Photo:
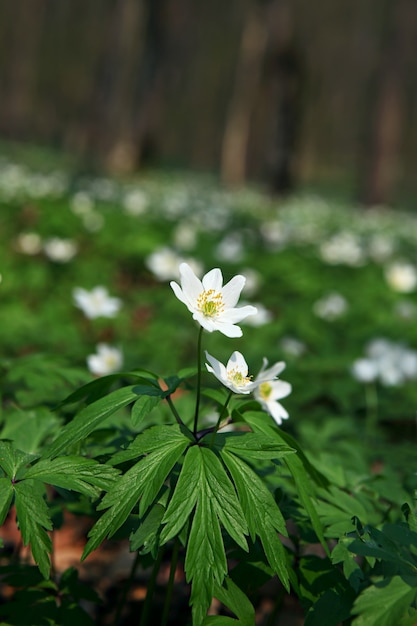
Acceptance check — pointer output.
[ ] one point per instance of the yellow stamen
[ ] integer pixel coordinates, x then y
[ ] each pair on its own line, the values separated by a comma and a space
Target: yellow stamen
237, 378
210, 303
265, 390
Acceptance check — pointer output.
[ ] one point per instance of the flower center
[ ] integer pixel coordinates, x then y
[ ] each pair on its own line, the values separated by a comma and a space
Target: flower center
237, 378
265, 390
210, 303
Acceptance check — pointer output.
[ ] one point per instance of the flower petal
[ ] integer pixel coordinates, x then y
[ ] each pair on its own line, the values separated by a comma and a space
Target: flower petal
280, 389
238, 314
231, 291
237, 361
191, 285
213, 280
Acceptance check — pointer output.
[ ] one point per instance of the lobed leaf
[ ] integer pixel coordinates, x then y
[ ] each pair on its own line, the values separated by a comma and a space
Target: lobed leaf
262, 513
33, 518
6, 497
386, 603
74, 473
89, 418
12, 460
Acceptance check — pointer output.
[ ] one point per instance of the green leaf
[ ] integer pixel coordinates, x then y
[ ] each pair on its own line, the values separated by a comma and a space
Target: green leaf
89, 418
6, 497
11, 460
144, 406
250, 445
304, 490
74, 473
147, 534
29, 428
204, 484
142, 482
351, 570
151, 440
33, 517
386, 603
231, 596
262, 513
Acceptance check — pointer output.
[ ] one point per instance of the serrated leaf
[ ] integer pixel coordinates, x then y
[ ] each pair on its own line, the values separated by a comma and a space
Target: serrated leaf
33, 517
11, 459
231, 596
141, 483
386, 603
304, 490
147, 533
143, 406
152, 439
75, 473
351, 570
29, 428
262, 513
89, 418
251, 445
6, 497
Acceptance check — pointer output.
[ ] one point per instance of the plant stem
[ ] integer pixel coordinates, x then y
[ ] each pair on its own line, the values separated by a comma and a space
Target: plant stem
198, 394
174, 411
125, 590
221, 416
150, 591
170, 587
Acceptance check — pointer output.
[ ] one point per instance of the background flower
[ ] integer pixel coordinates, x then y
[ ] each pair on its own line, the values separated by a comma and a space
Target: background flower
106, 360
96, 303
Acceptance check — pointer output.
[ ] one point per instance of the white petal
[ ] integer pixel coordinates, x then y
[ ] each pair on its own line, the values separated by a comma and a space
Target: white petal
232, 291
237, 361
237, 315
216, 368
270, 373
191, 285
277, 411
213, 280
229, 330
180, 295
280, 389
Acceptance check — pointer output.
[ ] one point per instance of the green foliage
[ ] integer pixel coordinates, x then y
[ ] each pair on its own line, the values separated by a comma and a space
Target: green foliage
324, 502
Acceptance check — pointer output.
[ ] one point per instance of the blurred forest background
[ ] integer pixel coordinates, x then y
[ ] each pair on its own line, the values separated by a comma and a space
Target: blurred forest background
282, 92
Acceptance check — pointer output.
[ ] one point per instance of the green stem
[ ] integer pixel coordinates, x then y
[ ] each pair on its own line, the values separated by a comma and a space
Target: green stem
371, 396
198, 394
126, 587
150, 591
222, 415
170, 587
174, 410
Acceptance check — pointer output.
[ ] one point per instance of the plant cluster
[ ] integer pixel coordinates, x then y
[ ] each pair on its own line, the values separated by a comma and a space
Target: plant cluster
223, 482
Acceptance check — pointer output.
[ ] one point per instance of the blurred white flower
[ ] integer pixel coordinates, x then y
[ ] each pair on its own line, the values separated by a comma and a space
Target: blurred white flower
405, 309
343, 248
60, 250
380, 247
29, 243
331, 307
401, 276
93, 221
292, 346
96, 303
253, 281
389, 362
81, 203
107, 360
211, 303
135, 202
270, 391
260, 318
231, 248
235, 376
185, 236
164, 263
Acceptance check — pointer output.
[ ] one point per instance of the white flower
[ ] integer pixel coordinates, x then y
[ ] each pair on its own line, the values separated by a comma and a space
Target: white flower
292, 346
231, 249
29, 243
211, 303
401, 277
343, 248
163, 263
96, 303
135, 202
389, 362
106, 361
269, 391
235, 375
60, 250
331, 306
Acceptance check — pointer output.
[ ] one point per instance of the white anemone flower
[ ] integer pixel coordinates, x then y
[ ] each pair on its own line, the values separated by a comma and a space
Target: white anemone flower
269, 391
211, 303
235, 376
106, 361
96, 303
